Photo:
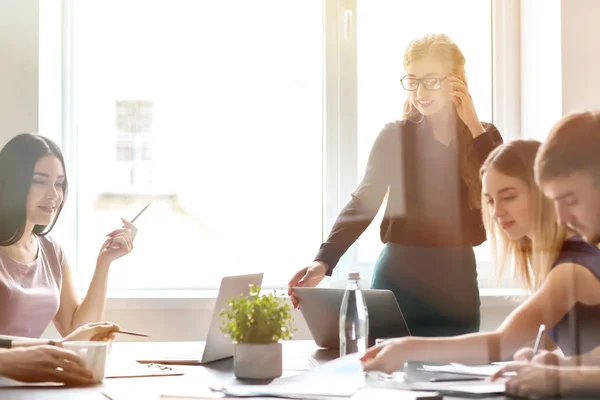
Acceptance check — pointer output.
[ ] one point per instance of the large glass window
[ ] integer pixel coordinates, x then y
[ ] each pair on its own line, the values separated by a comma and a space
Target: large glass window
212, 112
384, 30
245, 124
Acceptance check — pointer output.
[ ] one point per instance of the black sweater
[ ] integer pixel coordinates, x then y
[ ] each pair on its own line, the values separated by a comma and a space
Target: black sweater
427, 204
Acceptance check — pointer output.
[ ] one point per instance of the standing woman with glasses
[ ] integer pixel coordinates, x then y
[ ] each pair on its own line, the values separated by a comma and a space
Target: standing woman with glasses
428, 165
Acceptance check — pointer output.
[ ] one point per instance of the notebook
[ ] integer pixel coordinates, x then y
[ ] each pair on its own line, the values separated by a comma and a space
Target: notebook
464, 389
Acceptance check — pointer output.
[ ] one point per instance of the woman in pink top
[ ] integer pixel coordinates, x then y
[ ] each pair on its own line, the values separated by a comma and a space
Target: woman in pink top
36, 280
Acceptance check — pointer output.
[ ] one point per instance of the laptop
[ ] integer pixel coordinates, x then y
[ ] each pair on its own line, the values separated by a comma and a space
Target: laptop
217, 345
321, 310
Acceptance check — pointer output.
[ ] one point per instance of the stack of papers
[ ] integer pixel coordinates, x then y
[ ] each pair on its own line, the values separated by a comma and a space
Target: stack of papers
473, 388
337, 379
485, 370
389, 394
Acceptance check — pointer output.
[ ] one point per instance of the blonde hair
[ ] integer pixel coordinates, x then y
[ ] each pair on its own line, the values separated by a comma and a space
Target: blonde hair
532, 259
443, 49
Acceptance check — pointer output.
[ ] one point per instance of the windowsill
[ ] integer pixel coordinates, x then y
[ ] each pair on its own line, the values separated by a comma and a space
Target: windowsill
204, 299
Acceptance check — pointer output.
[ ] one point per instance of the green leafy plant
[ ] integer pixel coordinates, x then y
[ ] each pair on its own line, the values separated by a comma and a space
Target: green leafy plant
257, 319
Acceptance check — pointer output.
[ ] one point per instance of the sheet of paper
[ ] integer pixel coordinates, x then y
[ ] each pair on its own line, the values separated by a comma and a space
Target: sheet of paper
340, 378
390, 394
348, 367
9, 383
476, 387
327, 388
504, 362
484, 370
129, 368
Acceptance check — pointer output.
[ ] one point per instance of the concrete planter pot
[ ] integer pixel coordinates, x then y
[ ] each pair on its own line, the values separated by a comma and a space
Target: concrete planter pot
257, 361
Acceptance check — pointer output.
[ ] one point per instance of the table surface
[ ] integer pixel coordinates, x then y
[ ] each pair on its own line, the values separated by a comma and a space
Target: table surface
298, 356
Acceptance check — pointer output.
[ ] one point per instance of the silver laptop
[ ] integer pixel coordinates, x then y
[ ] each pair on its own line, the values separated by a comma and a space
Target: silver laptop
321, 310
217, 345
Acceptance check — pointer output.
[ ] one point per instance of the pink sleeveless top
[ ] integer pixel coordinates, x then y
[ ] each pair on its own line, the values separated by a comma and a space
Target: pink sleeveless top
30, 293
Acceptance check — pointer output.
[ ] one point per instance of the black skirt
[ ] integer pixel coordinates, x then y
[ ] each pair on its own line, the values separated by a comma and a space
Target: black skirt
436, 288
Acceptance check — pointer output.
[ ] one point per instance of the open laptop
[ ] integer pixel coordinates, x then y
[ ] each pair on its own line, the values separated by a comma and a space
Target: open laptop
217, 345
321, 310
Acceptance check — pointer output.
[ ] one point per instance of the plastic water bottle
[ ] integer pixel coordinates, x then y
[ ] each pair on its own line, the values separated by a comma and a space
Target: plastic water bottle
354, 318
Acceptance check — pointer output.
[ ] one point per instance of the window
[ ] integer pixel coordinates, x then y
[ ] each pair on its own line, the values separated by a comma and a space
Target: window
384, 29
211, 111
246, 125
133, 146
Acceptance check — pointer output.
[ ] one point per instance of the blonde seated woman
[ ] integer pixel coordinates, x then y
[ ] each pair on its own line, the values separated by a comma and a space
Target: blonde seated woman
568, 171
562, 274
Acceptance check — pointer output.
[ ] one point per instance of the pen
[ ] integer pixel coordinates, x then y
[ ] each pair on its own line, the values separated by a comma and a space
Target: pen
140, 213
133, 220
132, 333
538, 340
457, 379
459, 374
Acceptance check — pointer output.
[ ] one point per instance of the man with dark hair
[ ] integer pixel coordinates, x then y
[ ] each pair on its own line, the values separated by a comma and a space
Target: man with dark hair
567, 169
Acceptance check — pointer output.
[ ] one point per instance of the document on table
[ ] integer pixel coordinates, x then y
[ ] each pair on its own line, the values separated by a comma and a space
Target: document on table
390, 394
340, 378
485, 370
129, 368
326, 389
474, 388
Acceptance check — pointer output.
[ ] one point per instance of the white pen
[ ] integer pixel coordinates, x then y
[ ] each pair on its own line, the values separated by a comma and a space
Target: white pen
133, 220
538, 340
140, 213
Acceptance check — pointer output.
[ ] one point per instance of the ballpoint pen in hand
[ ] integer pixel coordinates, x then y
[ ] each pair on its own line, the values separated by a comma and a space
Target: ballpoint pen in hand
132, 333
538, 340
133, 220
140, 213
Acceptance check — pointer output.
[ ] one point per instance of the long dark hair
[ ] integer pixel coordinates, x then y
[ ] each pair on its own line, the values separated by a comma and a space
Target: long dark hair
17, 163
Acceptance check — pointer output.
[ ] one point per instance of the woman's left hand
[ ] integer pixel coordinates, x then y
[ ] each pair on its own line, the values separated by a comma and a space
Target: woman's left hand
97, 331
118, 244
463, 102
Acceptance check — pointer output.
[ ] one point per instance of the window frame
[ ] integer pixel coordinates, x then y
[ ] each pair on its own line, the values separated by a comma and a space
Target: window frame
340, 130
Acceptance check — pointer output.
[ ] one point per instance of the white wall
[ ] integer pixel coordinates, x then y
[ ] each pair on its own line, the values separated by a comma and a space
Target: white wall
560, 60
541, 72
580, 55
188, 319
18, 68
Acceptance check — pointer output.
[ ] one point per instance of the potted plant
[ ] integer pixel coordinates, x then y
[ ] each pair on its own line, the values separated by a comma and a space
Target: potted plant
256, 324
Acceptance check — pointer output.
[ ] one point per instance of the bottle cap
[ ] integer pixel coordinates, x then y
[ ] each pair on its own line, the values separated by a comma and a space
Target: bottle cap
354, 275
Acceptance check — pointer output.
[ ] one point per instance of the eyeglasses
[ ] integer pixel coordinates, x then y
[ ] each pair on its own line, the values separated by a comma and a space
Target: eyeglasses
411, 84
